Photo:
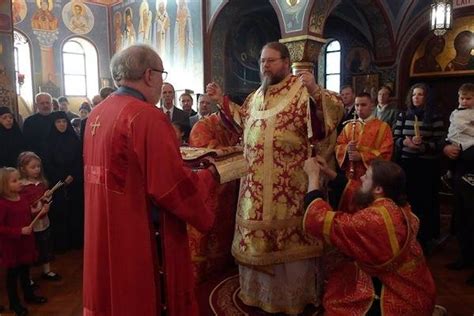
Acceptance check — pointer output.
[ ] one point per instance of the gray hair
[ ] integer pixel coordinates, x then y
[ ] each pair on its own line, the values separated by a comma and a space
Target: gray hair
41, 94
131, 63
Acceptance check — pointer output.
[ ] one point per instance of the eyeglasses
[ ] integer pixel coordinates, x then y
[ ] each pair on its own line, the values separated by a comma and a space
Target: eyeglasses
269, 60
164, 74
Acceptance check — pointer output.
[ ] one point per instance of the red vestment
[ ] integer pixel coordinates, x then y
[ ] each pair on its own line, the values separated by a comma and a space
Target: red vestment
132, 164
374, 140
378, 241
210, 252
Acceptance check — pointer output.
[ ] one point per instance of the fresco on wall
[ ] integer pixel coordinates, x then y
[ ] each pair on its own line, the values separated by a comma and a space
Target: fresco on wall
5, 19
7, 71
129, 36
451, 53
118, 42
78, 18
19, 10
293, 14
162, 29
175, 32
145, 25
43, 18
183, 35
358, 60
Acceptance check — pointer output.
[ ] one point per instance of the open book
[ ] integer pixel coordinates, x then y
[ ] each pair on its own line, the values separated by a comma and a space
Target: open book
229, 161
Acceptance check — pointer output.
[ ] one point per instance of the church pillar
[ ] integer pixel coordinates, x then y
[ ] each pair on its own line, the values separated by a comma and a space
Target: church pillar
304, 52
7, 59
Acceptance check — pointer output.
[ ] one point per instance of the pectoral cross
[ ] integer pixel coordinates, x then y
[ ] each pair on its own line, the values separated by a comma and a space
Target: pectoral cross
95, 125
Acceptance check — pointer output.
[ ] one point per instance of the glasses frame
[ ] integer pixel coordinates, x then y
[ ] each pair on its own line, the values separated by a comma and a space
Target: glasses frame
269, 60
164, 74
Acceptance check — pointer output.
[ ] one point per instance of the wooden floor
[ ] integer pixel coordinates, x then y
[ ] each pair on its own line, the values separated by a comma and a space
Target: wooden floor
65, 297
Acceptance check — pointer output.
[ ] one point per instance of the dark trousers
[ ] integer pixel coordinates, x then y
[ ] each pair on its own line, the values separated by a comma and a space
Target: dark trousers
423, 176
21, 273
464, 218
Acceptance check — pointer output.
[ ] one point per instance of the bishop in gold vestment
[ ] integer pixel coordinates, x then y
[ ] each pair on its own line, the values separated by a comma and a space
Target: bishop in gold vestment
276, 258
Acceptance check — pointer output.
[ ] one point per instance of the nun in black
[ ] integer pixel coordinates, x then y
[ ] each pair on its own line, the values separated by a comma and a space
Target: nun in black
63, 162
12, 142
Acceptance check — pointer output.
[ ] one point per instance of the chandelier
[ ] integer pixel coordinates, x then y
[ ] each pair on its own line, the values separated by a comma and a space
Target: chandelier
441, 16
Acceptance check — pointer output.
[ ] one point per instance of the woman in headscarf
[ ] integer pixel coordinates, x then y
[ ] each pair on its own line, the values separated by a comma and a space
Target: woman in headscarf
12, 142
63, 162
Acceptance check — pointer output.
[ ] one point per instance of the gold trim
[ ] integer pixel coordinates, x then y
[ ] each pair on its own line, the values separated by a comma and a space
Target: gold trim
390, 229
277, 257
269, 224
302, 38
267, 213
327, 225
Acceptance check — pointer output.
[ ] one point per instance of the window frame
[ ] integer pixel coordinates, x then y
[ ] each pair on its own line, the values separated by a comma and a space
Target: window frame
326, 53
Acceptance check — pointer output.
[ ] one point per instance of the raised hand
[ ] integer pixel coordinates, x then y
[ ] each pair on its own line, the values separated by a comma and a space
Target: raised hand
214, 91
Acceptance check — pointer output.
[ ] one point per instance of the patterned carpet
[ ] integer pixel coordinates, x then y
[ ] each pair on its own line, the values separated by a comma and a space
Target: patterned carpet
224, 301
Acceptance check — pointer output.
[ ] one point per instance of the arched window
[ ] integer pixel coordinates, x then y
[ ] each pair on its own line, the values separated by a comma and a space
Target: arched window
23, 73
80, 68
332, 71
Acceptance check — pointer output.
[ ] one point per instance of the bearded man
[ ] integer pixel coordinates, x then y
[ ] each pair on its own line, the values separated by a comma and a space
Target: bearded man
279, 122
378, 267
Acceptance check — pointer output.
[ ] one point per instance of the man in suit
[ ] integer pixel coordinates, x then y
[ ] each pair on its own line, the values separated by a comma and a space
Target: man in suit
174, 114
348, 99
204, 109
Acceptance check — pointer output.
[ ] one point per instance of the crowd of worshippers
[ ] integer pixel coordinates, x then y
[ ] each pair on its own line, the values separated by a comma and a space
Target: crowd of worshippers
43, 168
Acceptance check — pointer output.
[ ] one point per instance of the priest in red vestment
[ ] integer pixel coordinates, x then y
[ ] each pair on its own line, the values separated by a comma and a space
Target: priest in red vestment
379, 268
361, 141
135, 181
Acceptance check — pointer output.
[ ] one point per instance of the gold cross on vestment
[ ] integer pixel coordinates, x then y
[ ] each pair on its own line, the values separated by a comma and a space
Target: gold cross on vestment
95, 125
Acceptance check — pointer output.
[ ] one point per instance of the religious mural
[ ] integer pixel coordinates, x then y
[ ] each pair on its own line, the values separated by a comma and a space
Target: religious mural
7, 71
19, 11
77, 17
358, 60
146, 22
172, 27
129, 36
293, 14
162, 29
451, 53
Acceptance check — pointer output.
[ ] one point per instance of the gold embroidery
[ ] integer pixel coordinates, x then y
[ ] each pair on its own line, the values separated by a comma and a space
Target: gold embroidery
390, 230
328, 219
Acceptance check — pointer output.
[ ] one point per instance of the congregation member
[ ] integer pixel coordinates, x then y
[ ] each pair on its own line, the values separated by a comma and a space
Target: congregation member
419, 139
12, 142
174, 114
204, 108
348, 100
276, 260
460, 150
186, 101
64, 106
37, 126
386, 111
63, 162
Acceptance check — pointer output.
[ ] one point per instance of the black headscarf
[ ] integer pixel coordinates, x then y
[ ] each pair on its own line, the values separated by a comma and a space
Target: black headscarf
63, 154
12, 142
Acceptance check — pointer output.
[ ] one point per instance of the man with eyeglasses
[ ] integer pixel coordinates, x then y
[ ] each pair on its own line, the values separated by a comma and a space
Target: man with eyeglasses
138, 199
280, 123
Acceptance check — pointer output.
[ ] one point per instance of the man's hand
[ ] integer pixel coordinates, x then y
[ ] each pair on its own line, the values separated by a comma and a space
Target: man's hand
331, 174
26, 230
68, 180
214, 91
452, 151
354, 154
308, 80
417, 140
